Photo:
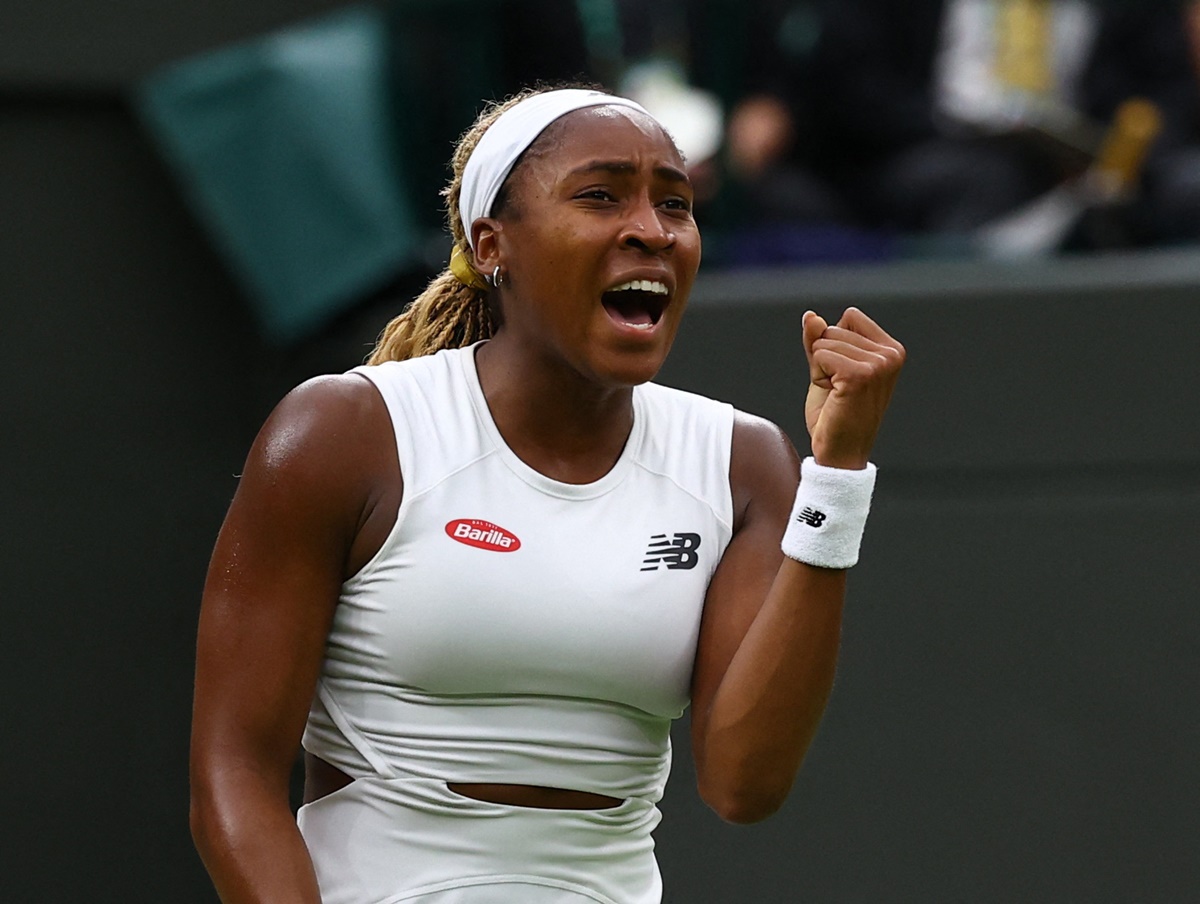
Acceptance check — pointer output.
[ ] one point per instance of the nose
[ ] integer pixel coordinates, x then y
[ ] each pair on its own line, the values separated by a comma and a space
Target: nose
645, 229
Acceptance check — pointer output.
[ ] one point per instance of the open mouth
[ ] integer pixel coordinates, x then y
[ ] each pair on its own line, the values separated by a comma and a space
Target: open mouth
638, 303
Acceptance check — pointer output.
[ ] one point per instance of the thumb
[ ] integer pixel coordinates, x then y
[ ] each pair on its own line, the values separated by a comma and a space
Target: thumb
814, 328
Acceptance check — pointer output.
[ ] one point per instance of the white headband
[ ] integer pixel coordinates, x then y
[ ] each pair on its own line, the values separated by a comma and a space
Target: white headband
508, 137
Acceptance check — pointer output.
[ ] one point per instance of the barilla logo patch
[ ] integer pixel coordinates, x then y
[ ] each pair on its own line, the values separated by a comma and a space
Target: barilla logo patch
482, 535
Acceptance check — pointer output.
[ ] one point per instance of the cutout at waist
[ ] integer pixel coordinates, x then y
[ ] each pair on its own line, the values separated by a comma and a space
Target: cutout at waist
322, 779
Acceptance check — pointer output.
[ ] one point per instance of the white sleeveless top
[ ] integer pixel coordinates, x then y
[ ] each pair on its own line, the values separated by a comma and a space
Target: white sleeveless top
515, 629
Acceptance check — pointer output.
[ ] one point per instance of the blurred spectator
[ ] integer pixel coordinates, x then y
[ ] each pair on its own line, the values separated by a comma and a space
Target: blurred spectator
943, 115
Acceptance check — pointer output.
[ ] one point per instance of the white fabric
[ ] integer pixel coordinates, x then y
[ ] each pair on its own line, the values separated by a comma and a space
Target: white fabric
829, 515
559, 662
382, 841
506, 139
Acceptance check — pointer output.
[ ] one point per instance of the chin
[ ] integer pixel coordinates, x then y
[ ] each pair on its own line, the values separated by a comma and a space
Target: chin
630, 367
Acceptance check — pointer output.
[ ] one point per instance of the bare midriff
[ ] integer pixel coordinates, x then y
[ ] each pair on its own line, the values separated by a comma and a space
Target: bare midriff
321, 779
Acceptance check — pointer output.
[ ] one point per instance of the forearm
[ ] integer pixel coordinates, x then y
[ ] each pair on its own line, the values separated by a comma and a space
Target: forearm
766, 710
769, 638
248, 839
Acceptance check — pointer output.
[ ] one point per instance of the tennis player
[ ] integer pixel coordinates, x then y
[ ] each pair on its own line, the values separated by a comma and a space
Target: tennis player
478, 578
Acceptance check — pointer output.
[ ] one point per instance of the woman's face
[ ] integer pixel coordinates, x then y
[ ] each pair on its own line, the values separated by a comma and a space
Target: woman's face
598, 246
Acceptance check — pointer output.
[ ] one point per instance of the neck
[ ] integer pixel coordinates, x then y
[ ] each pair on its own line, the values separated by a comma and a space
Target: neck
551, 416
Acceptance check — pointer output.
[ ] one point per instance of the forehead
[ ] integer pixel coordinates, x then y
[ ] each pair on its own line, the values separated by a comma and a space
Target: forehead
603, 132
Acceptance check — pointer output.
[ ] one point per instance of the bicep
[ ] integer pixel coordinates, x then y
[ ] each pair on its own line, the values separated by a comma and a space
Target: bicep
266, 608
273, 584
764, 473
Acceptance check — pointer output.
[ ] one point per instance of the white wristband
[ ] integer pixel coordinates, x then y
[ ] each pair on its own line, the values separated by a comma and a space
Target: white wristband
829, 516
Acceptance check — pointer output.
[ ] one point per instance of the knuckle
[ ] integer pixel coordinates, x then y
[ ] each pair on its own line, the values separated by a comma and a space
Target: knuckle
860, 373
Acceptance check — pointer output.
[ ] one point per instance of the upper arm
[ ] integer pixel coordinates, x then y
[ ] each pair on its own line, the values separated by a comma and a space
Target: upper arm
764, 471
285, 547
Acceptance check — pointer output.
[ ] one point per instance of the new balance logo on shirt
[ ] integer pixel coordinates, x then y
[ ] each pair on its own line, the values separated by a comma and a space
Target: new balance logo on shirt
676, 553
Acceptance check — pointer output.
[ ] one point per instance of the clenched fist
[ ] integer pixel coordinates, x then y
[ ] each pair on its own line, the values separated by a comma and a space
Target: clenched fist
853, 367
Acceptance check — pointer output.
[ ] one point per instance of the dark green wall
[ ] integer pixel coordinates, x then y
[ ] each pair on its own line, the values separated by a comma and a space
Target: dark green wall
1014, 718
1015, 715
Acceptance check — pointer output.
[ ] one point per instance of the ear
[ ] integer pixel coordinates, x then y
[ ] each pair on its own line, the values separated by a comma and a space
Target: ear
486, 235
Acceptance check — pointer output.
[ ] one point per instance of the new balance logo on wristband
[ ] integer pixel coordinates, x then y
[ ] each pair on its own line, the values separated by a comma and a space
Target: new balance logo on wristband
811, 517
677, 552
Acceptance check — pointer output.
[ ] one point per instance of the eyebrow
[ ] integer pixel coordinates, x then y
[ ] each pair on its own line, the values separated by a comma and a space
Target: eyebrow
627, 167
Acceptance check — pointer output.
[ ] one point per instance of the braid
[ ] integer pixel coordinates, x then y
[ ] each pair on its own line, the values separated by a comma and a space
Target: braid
448, 314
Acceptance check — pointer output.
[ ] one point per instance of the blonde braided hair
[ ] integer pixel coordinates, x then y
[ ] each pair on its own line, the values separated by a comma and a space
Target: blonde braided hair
449, 313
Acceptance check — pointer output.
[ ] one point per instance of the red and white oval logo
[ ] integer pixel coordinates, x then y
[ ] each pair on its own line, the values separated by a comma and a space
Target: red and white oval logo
482, 535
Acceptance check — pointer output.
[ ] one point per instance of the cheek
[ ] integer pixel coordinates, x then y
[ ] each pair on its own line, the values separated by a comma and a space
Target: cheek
688, 252
574, 260
559, 253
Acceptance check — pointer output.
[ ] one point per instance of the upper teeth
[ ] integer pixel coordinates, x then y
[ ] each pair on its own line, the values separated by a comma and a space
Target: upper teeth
642, 285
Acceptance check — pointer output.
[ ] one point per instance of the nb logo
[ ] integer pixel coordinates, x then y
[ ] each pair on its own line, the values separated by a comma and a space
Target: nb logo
677, 552
811, 517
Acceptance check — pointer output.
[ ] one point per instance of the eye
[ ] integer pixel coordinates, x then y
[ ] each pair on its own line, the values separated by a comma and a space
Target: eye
680, 204
595, 194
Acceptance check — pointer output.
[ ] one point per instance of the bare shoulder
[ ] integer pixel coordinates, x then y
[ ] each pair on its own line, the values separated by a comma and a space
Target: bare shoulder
325, 409
760, 442
325, 426
764, 467
322, 469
